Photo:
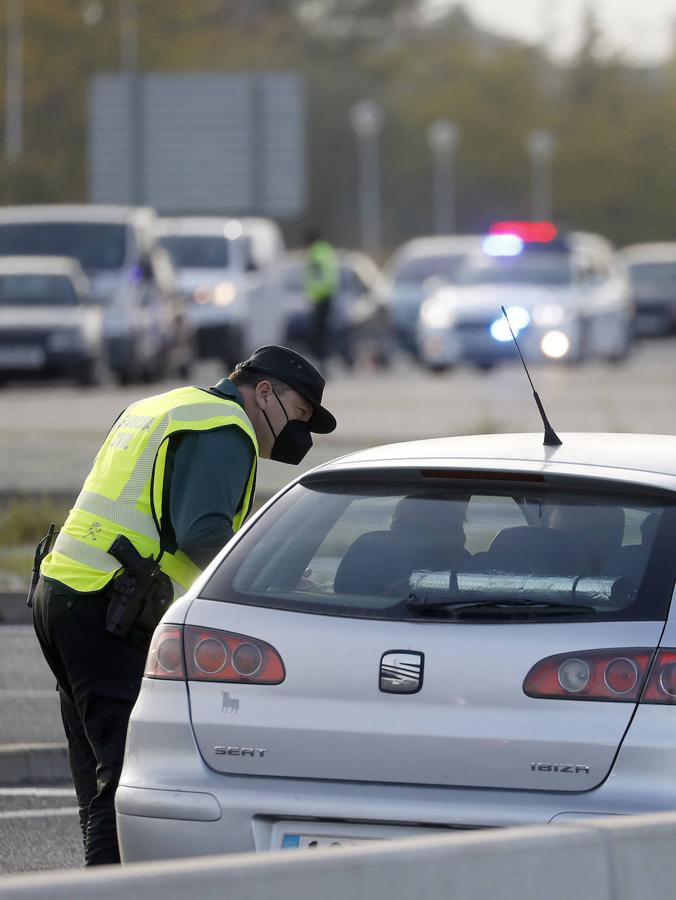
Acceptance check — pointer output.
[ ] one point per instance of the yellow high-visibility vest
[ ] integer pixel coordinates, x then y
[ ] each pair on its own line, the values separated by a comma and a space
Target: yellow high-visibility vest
123, 492
322, 273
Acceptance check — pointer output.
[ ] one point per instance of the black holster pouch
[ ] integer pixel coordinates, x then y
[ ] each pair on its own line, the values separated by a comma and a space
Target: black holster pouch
44, 548
140, 595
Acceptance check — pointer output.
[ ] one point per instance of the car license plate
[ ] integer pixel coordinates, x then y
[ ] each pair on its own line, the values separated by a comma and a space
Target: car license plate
22, 357
312, 841
313, 835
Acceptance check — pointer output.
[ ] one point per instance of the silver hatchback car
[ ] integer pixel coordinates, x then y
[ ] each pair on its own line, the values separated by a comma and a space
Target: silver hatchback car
449, 634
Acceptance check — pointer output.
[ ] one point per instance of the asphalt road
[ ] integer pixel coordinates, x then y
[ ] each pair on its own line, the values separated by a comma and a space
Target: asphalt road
39, 828
51, 433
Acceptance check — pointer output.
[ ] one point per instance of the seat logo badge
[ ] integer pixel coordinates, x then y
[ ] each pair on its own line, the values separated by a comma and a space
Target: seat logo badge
229, 704
241, 751
401, 672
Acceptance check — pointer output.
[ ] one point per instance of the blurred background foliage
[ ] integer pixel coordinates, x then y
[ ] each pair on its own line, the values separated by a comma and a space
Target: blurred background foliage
614, 123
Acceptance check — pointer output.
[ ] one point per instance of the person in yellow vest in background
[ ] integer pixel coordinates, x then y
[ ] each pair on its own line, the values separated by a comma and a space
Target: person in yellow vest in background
172, 482
322, 282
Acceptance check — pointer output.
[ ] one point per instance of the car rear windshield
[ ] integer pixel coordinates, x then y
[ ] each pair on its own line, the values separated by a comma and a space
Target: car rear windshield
535, 268
198, 251
37, 290
418, 270
411, 547
96, 245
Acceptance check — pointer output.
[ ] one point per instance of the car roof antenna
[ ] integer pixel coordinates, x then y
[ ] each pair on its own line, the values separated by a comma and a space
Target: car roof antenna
551, 437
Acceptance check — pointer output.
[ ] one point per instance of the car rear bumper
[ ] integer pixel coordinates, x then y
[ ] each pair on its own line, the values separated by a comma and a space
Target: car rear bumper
171, 805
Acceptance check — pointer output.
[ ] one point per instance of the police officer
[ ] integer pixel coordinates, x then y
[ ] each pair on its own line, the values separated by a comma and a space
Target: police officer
322, 281
176, 476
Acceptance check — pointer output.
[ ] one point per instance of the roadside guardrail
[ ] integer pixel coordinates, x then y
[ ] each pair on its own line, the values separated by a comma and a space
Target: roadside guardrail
611, 858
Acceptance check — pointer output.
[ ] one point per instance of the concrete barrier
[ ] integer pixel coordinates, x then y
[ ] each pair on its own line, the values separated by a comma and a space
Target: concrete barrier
614, 858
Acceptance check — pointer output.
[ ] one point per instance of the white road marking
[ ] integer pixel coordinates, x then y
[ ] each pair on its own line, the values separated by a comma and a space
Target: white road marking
37, 792
38, 813
27, 693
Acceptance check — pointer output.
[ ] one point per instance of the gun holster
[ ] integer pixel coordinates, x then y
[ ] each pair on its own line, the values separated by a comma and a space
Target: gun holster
140, 594
43, 549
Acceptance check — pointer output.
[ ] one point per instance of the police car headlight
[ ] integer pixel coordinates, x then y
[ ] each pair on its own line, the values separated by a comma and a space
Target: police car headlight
65, 340
549, 315
437, 313
555, 344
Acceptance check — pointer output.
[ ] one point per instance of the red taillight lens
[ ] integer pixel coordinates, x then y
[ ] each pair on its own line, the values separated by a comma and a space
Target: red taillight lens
214, 655
661, 687
165, 656
616, 675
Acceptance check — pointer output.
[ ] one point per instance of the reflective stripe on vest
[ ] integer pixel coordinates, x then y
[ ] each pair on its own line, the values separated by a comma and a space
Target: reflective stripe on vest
124, 489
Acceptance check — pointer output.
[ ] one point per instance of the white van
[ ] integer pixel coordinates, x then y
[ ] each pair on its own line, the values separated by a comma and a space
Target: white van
225, 271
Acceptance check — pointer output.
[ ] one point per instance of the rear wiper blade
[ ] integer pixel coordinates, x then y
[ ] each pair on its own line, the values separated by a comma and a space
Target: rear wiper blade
421, 604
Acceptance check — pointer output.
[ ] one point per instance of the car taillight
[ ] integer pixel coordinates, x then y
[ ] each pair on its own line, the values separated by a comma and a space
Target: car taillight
208, 654
165, 656
616, 675
214, 655
661, 686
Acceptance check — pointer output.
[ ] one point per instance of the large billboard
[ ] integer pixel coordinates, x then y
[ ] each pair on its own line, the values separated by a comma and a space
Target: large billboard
230, 143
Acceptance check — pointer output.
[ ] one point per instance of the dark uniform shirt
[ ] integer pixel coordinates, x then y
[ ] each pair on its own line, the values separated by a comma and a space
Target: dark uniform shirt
210, 473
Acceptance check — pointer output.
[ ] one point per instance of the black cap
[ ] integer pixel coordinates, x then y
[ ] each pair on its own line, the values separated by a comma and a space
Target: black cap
294, 370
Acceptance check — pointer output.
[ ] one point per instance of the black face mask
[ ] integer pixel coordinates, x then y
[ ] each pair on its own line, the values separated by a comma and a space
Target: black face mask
292, 443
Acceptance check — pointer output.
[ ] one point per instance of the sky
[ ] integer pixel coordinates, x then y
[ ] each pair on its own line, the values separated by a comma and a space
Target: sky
643, 30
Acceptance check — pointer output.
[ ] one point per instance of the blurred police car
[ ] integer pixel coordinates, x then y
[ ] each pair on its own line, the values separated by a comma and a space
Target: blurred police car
415, 270
568, 298
49, 324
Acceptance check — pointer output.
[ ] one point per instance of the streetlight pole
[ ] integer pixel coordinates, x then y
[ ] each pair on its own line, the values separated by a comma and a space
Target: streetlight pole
14, 84
129, 63
540, 144
366, 118
443, 136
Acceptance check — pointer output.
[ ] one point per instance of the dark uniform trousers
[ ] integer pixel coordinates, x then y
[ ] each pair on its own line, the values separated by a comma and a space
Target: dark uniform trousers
98, 677
322, 334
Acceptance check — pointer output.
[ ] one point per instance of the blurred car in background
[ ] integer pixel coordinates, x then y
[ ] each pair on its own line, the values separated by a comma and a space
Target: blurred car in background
263, 241
147, 333
652, 270
224, 268
415, 270
568, 298
359, 321
49, 324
